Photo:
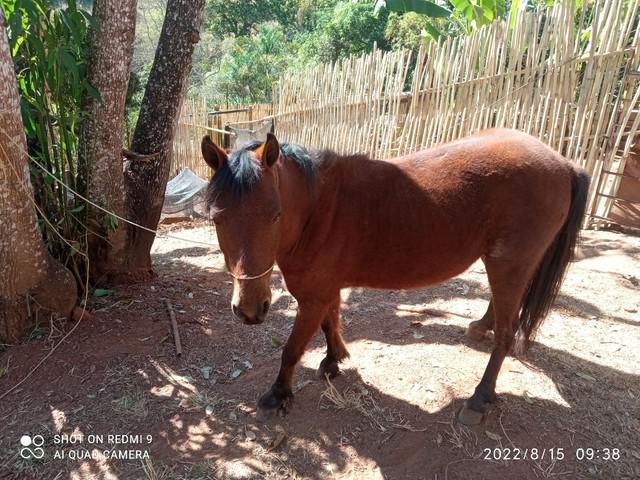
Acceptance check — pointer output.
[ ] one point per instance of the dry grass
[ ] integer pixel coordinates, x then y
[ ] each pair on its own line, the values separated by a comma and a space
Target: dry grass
133, 402
202, 400
152, 472
461, 437
359, 399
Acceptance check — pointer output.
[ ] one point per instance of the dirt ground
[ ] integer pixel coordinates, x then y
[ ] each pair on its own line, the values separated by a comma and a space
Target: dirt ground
391, 414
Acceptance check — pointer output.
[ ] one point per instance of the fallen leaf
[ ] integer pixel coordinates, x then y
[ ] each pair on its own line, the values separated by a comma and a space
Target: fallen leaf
206, 371
251, 436
247, 364
208, 410
236, 373
103, 292
493, 436
438, 439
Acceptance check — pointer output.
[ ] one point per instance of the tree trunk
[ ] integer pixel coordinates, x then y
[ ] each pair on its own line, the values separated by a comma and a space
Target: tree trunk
30, 279
102, 132
146, 180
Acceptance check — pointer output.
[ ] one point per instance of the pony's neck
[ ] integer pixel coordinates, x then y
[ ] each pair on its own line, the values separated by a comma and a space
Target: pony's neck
298, 201
308, 211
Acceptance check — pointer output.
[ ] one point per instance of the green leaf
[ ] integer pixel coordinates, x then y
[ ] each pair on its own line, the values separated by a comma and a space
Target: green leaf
38, 46
460, 4
77, 209
93, 91
424, 7
70, 64
111, 222
90, 19
27, 119
512, 14
468, 13
433, 31
102, 292
15, 28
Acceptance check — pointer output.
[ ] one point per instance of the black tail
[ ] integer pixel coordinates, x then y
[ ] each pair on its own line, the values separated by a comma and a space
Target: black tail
546, 282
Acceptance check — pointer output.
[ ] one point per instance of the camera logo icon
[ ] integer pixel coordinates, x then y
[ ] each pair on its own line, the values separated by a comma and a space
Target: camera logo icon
27, 442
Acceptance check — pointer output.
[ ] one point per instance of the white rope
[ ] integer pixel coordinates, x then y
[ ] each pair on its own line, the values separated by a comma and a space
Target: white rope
251, 277
60, 182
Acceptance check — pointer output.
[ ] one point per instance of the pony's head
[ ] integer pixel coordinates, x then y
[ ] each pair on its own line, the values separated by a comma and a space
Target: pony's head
244, 203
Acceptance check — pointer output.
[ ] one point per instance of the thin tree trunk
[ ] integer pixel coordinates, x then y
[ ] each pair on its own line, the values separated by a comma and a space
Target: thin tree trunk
146, 180
102, 132
30, 279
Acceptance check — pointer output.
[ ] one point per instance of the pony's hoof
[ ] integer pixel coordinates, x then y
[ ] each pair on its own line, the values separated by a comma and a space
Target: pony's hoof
470, 417
264, 415
475, 333
273, 401
328, 368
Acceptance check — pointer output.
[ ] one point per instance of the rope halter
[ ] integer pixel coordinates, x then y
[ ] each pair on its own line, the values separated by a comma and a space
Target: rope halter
252, 277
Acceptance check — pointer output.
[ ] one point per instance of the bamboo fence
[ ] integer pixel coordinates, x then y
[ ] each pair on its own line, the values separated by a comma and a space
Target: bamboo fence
568, 77
197, 120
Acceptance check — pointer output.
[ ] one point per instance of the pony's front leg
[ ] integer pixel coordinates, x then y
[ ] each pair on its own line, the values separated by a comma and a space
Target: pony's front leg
307, 323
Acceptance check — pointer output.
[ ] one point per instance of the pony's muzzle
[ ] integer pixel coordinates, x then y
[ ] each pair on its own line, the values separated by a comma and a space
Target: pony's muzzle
252, 317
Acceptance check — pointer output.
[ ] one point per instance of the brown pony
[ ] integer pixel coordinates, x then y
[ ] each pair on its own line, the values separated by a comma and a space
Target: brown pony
331, 221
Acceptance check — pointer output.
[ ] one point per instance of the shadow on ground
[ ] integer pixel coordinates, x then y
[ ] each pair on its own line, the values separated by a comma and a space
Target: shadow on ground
120, 375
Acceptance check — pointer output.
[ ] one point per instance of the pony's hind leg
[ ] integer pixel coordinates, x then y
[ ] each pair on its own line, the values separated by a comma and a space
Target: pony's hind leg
478, 329
336, 349
508, 285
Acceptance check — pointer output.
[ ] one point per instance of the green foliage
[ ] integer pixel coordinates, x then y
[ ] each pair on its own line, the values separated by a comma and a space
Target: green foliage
49, 46
423, 7
232, 65
252, 64
473, 14
411, 29
242, 17
246, 46
349, 29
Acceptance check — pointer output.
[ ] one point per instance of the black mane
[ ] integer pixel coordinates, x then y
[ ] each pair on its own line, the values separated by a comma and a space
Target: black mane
240, 173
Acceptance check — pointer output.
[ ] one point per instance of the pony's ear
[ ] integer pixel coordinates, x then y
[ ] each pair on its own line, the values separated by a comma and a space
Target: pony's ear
212, 153
270, 150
